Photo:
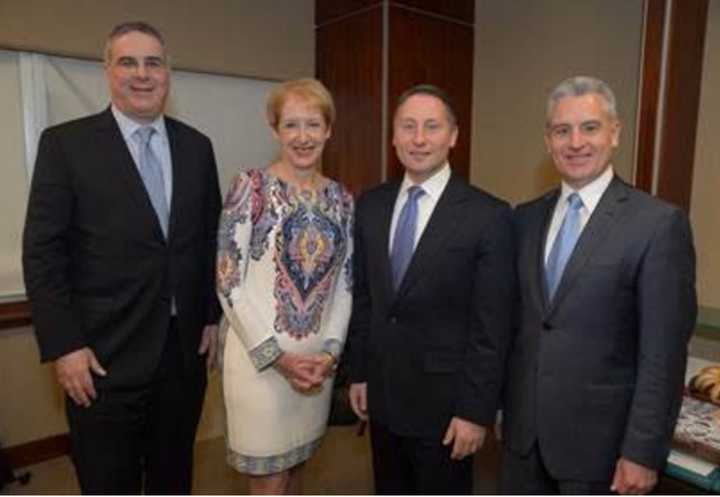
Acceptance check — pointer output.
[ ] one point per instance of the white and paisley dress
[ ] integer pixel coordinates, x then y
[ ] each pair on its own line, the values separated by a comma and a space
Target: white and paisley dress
285, 283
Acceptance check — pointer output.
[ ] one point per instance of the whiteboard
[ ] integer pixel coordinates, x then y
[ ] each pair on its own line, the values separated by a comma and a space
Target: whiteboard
13, 177
230, 110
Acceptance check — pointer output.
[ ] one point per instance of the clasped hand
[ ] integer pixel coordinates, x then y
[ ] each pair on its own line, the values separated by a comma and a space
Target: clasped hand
305, 372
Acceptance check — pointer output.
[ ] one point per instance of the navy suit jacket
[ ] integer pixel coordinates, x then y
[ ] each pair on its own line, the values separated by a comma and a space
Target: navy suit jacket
598, 372
433, 349
98, 270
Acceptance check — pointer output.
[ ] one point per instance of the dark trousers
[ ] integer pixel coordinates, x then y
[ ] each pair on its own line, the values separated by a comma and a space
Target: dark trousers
412, 466
140, 438
527, 475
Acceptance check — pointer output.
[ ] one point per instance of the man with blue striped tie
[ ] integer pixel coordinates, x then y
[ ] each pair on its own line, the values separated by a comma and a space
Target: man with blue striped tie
607, 286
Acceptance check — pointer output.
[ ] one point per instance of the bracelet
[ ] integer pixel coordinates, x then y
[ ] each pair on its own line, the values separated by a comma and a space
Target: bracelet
333, 359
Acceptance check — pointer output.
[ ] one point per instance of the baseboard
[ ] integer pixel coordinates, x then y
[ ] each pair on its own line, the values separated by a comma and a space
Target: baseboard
19, 456
709, 316
14, 314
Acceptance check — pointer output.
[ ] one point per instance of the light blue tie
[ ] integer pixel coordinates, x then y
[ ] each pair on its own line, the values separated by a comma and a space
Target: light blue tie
564, 244
404, 238
152, 175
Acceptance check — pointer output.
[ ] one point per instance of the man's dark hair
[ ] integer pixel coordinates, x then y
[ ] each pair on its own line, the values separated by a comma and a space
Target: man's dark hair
131, 27
433, 91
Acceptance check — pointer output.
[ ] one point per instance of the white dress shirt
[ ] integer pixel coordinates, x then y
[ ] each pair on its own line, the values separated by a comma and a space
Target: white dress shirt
433, 187
589, 194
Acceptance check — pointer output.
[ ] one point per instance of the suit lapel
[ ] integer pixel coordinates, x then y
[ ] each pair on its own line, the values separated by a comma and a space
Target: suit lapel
541, 227
384, 215
179, 174
110, 138
595, 232
441, 225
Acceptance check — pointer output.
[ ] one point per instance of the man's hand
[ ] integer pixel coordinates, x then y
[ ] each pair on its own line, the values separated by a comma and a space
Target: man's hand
358, 400
209, 344
301, 371
468, 437
73, 373
633, 478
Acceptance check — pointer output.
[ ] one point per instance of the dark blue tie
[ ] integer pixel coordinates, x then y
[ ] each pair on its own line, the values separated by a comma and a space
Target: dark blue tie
564, 244
404, 239
152, 175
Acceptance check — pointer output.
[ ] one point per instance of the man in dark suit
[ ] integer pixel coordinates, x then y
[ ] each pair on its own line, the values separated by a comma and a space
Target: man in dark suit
432, 308
118, 255
607, 284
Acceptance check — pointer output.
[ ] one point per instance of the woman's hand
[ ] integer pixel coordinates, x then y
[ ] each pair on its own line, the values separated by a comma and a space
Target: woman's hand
325, 365
303, 372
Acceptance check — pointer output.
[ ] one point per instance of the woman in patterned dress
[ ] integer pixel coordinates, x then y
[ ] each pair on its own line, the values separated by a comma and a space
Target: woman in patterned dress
284, 281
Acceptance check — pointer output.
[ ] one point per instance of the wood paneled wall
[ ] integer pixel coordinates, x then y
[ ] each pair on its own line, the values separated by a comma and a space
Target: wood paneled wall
349, 62
429, 49
425, 41
671, 96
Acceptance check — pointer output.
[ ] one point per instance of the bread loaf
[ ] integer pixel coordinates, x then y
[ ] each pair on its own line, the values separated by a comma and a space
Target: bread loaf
706, 384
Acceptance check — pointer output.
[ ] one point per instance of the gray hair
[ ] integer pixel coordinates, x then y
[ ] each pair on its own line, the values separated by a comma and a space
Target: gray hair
577, 86
132, 27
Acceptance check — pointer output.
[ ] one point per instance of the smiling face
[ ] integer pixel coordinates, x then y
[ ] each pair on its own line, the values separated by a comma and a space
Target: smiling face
423, 134
581, 137
138, 76
302, 133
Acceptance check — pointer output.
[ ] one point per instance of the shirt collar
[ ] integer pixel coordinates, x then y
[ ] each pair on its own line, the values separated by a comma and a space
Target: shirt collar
433, 186
589, 194
128, 126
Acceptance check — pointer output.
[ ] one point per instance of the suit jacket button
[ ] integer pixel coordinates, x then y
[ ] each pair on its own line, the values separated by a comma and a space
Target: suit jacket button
393, 319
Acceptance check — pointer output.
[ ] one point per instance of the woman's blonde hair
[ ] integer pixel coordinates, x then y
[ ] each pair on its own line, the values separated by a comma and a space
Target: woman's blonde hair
308, 89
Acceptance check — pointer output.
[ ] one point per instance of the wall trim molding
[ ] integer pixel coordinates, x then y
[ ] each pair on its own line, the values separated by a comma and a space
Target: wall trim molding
708, 316
14, 314
37, 451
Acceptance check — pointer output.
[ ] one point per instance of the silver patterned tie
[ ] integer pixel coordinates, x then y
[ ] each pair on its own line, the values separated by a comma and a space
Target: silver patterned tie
152, 175
564, 244
404, 238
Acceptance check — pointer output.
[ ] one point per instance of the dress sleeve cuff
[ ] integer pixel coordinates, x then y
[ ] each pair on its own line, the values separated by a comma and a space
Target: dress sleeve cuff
333, 347
265, 354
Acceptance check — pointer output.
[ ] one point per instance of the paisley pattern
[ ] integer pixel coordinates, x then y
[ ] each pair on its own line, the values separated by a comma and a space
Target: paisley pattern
284, 282
310, 245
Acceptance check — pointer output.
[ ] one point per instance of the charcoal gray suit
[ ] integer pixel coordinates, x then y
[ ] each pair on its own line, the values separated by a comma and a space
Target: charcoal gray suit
597, 373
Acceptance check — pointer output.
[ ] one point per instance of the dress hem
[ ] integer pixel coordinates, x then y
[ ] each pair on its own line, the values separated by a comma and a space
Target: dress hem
267, 465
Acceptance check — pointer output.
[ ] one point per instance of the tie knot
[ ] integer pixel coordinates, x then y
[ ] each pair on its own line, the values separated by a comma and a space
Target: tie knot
414, 193
144, 133
575, 201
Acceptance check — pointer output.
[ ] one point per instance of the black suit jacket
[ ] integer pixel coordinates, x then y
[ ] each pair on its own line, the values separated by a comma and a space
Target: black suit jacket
98, 270
598, 373
434, 349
